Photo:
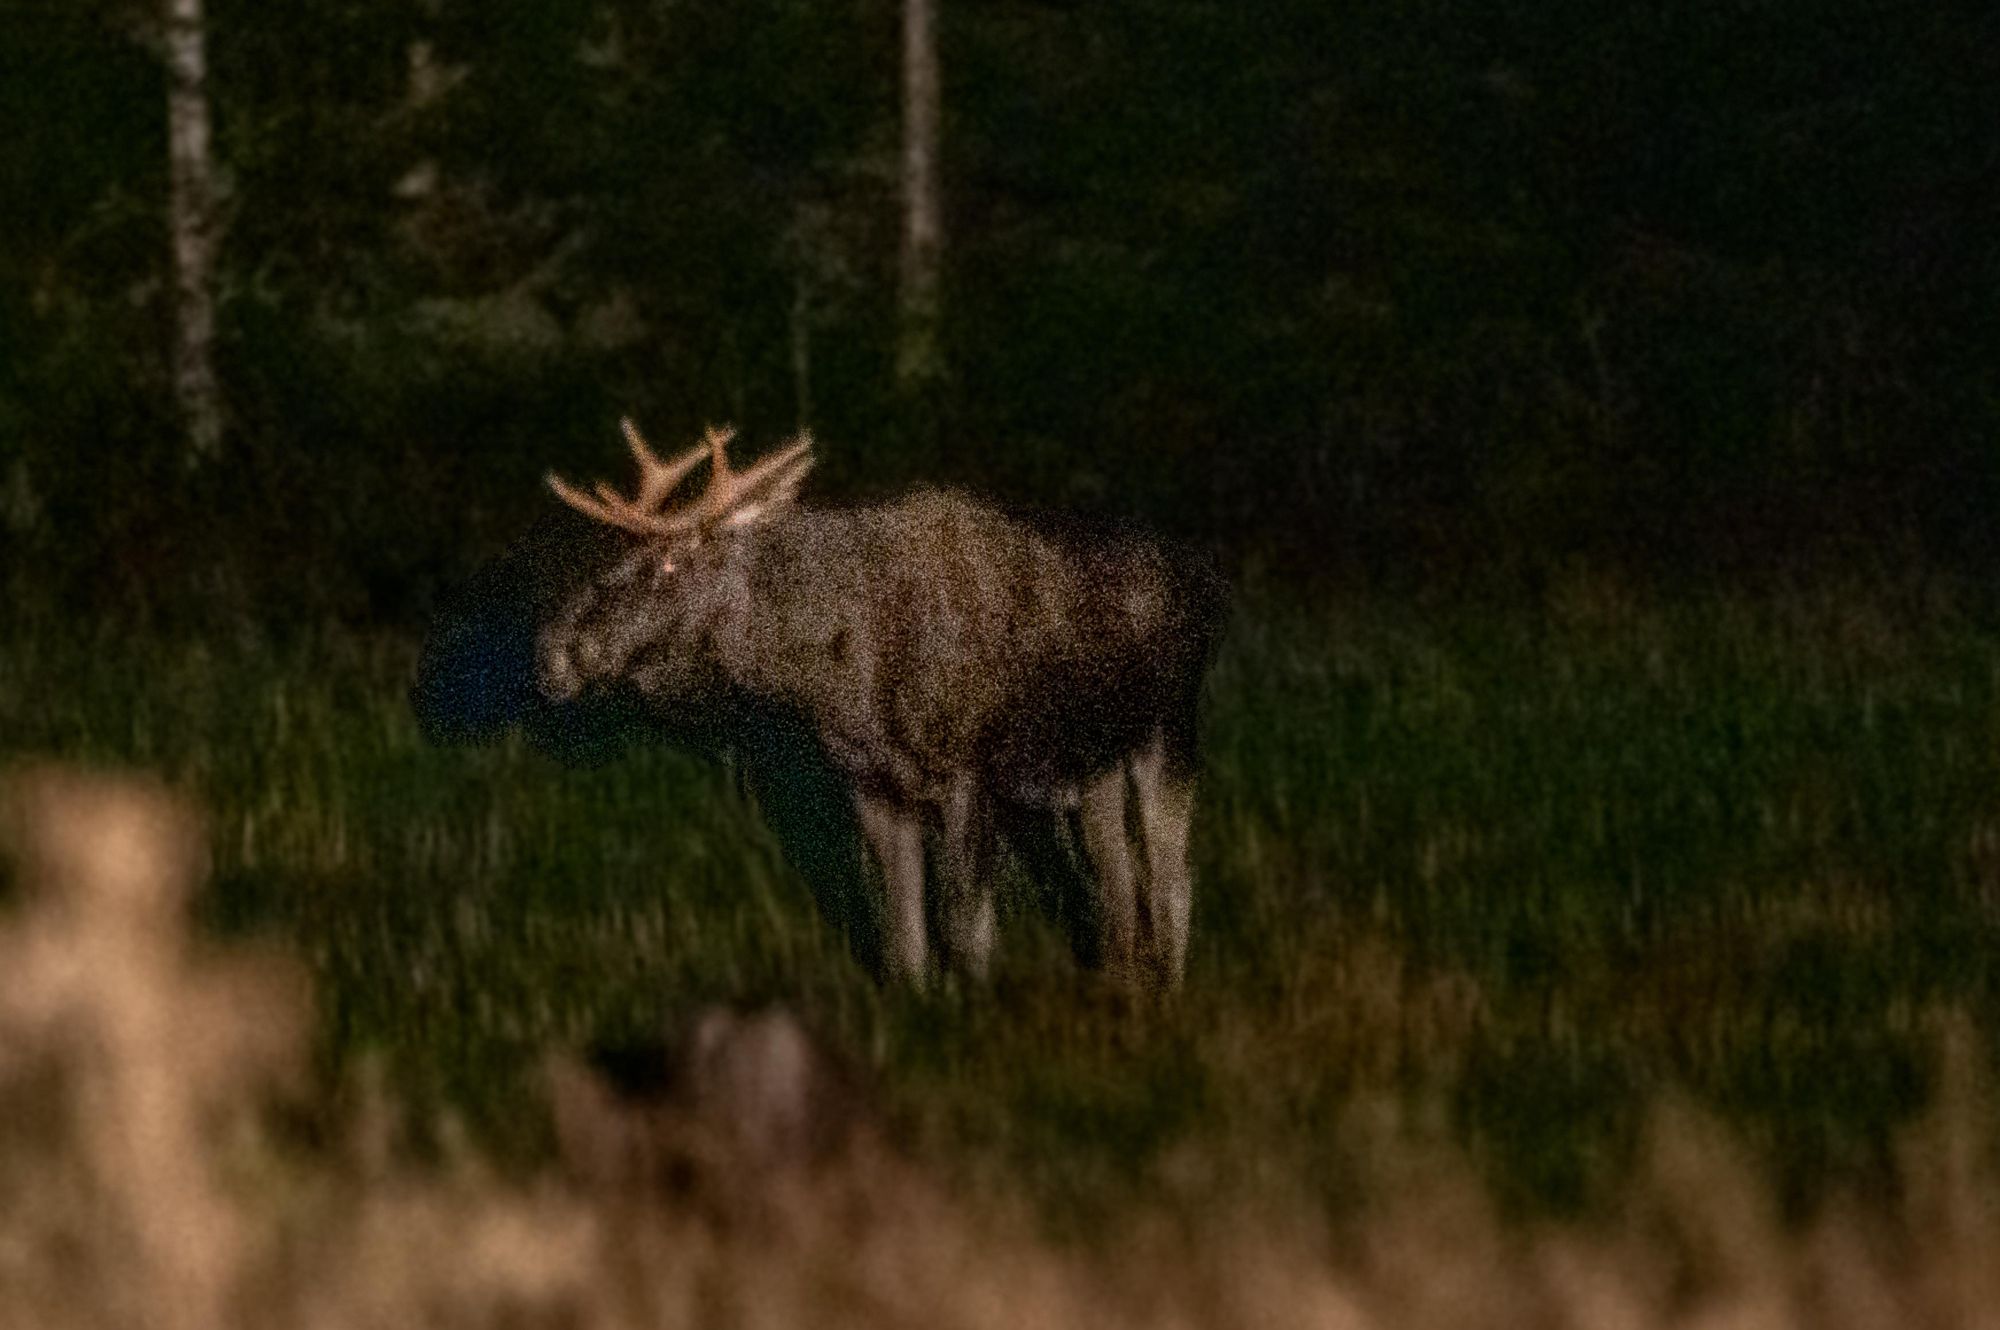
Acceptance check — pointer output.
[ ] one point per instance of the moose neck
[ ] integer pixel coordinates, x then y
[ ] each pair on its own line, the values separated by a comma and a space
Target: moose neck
797, 615
726, 638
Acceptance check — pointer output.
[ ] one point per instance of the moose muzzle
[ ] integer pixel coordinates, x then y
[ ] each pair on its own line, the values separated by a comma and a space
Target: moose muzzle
563, 661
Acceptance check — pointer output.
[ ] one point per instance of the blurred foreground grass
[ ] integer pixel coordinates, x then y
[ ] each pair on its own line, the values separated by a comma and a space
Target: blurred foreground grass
1507, 874
141, 1181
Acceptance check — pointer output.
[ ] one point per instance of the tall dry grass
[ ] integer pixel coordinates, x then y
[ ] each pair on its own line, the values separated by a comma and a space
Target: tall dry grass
141, 1183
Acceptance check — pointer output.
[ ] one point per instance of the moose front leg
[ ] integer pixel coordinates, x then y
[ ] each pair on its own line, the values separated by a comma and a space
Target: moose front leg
896, 836
966, 920
1109, 850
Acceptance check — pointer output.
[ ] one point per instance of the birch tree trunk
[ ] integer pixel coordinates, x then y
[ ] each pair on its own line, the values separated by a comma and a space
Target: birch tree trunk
192, 221
919, 360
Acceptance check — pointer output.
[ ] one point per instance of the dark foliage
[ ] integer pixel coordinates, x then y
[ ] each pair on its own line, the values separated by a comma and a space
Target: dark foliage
1431, 294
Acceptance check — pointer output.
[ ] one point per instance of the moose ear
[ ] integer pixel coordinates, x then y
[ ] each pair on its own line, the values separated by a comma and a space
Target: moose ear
774, 492
764, 507
748, 514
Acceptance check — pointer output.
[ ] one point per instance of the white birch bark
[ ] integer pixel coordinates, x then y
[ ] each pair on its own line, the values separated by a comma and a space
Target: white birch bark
918, 357
192, 224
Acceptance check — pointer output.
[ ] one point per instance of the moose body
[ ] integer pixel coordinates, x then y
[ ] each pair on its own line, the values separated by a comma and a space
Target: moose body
972, 676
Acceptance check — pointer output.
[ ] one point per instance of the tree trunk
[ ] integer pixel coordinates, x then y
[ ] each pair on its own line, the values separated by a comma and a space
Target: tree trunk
919, 359
192, 222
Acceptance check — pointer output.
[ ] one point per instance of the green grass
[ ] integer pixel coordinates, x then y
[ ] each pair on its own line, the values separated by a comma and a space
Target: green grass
1512, 871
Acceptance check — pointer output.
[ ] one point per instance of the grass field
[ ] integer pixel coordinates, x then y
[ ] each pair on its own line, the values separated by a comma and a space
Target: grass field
1507, 874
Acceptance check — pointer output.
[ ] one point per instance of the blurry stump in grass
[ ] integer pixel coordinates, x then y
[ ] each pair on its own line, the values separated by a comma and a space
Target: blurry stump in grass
109, 850
157, 1048
737, 1107
109, 865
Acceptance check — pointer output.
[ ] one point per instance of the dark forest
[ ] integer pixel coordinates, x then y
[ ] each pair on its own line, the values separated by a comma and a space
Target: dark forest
1405, 294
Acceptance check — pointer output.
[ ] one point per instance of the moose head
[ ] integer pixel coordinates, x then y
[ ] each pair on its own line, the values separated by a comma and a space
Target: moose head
675, 577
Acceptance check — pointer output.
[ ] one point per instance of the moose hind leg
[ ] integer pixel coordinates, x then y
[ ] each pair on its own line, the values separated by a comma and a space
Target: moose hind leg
966, 918
1046, 847
1164, 797
1109, 850
896, 836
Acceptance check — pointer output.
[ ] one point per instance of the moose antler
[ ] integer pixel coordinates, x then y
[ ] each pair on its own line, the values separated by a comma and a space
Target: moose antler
645, 514
657, 479
728, 494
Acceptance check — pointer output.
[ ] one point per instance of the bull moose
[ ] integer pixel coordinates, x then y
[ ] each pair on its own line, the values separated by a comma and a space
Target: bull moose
970, 676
